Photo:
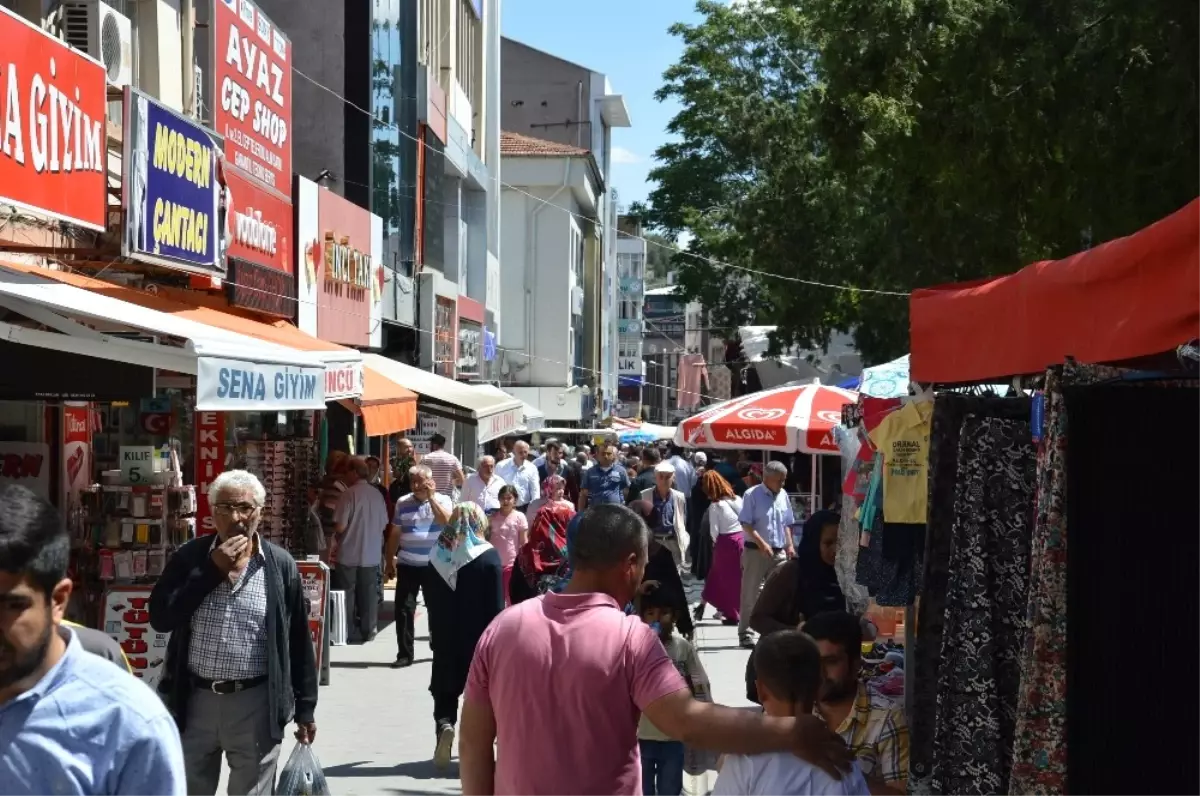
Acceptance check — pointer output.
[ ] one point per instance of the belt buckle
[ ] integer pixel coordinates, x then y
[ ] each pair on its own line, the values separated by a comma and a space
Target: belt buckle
213, 686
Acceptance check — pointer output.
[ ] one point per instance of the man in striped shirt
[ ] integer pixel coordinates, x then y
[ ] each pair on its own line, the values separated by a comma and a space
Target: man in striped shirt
420, 517
446, 468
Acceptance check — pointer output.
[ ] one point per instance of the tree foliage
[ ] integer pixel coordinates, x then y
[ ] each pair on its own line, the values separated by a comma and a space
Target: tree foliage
895, 144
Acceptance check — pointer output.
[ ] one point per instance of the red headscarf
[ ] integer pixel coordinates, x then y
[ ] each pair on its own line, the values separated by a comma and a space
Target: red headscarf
546, 549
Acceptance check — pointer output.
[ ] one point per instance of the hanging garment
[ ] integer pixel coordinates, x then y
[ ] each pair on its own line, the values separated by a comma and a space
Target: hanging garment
1131, 594
903, 439
949, 410
846, 563
986, 595
891, 581
693, 372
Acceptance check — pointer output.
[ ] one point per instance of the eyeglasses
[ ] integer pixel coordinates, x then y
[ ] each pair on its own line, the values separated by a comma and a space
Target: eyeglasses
230, 509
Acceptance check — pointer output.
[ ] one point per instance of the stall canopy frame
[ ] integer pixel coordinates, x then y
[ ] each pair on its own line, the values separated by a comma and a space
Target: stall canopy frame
1131, 297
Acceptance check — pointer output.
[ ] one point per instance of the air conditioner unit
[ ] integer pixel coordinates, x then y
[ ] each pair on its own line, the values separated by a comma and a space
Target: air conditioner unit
102, 32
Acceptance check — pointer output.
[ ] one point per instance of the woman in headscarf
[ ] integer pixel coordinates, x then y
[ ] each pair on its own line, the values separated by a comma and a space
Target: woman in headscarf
723, 529
464, 594
542, 563
801, 588
554, 490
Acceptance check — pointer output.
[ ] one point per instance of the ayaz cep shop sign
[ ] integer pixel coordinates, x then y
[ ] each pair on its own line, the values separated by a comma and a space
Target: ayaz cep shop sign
52, 126
253, 93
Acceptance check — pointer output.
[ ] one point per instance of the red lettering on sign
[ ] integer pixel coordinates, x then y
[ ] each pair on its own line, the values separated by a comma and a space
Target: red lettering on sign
210, 461
16, 465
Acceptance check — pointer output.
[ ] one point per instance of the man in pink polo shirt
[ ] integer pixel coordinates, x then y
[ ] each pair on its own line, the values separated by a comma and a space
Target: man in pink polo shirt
558, 682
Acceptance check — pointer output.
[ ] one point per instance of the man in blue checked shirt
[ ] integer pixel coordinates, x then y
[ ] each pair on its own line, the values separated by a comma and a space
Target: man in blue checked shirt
70, 721
766, 520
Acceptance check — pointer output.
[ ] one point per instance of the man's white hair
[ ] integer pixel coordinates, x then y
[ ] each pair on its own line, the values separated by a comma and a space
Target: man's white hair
488, 458
237, 479
776, 468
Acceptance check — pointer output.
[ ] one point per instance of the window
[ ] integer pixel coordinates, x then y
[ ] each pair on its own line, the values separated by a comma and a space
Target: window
443, 337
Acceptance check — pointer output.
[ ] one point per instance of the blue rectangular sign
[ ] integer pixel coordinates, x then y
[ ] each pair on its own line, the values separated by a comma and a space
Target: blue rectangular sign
172, 192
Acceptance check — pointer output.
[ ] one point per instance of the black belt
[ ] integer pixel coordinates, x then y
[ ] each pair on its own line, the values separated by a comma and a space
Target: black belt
227, 686
754, 546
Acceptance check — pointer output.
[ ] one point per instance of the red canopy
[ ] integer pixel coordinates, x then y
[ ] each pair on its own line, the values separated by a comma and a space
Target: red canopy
1128, 298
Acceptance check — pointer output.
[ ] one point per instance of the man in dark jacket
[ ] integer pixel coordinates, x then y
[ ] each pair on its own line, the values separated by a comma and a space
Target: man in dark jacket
645, 477
240, 664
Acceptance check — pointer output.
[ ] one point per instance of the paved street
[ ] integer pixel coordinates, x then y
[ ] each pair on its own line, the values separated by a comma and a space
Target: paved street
375, 725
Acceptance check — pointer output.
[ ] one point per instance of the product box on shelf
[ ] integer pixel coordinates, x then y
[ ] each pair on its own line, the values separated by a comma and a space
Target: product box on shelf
126, 617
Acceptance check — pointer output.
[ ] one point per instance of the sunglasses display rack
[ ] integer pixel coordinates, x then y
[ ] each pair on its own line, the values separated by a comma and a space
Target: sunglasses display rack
286, 467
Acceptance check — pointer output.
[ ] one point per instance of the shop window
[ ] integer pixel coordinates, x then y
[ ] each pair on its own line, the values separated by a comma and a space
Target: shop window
443, 338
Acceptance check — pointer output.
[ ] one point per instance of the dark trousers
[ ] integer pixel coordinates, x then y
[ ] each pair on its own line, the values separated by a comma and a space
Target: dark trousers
358, 584
662, 767
445, 709
409, 581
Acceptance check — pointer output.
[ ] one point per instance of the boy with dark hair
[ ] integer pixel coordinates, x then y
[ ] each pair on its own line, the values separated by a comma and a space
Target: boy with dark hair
662, 756
788, 666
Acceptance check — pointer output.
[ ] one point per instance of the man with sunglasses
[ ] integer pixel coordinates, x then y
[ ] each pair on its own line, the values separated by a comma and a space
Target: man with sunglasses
240, 663
70, 721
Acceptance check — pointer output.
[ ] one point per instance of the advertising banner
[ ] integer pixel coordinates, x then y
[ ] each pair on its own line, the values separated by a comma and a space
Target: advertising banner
77, 452
126, 617
53, 145
339, 275
252, 93
314, 577
230, 385
260, 225
210, 462
172, 196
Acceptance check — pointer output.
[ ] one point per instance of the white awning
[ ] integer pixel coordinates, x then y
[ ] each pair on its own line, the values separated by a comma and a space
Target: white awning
234, 372
533, 418
495, 414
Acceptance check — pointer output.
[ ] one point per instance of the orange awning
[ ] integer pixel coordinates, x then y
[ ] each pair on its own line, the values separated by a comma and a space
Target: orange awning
393, 408
386, 407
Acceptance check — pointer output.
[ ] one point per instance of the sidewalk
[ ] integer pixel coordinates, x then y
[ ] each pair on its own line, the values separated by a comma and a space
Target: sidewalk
375, 723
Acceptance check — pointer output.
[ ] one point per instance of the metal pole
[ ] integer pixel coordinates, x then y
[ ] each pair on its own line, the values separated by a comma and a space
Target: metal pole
910, 633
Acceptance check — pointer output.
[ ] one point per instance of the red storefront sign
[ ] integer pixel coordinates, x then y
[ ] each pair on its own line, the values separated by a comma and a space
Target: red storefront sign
53, 141
210, 462
260, 223
252, 93
337, 270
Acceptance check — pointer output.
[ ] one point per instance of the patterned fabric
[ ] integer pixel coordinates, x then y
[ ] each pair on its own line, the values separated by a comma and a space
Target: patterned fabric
986, 595
545, 552
1040, 749
229, 629
877, 734
846, 563
949, 410
891, 581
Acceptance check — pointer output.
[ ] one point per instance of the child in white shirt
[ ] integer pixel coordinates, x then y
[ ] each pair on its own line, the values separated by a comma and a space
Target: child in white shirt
788, 668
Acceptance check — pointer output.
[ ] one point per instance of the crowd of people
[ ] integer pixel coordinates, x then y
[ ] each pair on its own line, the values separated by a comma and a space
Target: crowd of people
562, 573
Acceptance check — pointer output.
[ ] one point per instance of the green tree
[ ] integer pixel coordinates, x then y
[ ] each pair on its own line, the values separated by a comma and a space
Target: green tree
895, 144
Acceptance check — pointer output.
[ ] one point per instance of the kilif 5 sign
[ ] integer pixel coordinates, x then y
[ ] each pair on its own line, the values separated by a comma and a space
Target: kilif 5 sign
252, 93
53, 145
172, 194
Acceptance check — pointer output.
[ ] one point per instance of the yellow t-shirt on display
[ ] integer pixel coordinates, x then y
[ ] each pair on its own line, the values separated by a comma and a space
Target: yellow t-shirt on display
903, 439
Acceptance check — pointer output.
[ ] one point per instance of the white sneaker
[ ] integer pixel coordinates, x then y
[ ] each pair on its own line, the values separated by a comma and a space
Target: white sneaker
445, 742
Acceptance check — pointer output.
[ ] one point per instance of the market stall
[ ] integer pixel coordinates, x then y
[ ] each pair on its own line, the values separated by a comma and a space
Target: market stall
1038, 512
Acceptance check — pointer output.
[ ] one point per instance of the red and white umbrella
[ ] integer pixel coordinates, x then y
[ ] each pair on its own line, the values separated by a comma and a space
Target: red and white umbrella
790, 419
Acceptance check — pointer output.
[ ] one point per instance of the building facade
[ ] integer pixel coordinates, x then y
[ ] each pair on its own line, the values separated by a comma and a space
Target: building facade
552, 99
631, 287
549, 210
663, 341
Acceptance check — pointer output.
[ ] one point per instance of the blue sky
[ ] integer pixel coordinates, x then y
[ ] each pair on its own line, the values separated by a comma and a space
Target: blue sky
626, 40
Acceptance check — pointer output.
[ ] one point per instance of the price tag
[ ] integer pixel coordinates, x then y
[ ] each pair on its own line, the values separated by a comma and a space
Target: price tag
137, 464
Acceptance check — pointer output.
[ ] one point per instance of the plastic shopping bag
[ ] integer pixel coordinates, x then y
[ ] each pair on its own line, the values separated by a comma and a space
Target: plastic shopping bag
302, 775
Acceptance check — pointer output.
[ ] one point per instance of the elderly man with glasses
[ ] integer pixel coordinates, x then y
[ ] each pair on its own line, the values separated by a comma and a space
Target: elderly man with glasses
240, 663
